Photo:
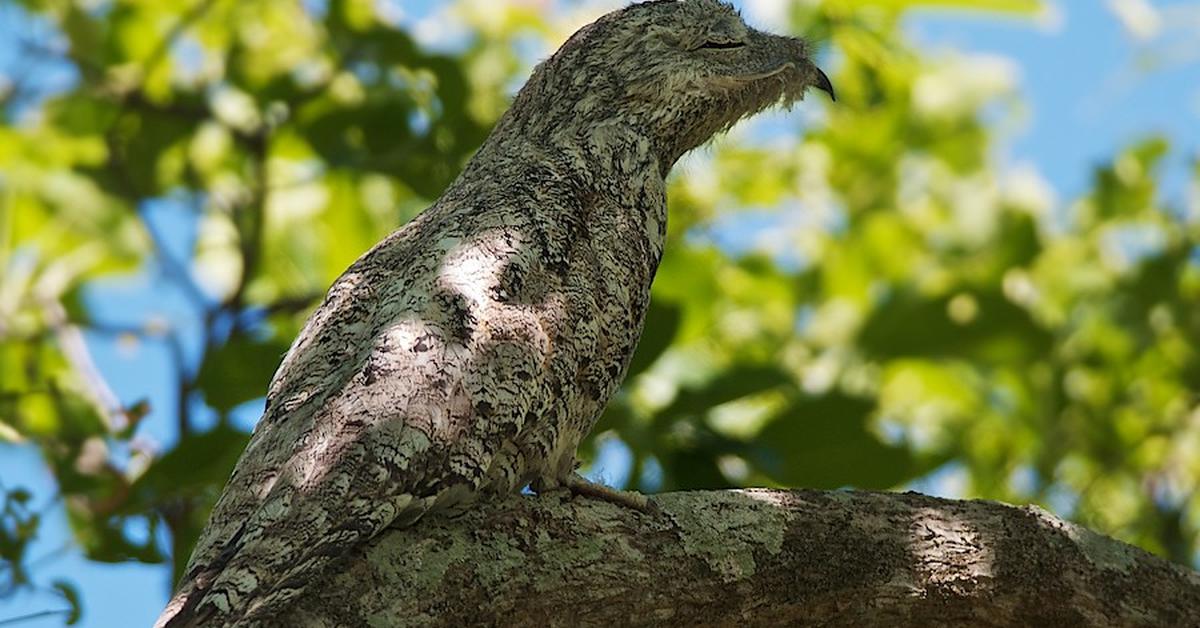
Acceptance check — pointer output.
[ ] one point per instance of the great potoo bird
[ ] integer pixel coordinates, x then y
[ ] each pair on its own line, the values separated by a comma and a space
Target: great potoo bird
469, 352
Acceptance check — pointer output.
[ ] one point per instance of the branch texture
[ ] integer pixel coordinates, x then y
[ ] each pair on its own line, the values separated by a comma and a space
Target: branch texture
751, 558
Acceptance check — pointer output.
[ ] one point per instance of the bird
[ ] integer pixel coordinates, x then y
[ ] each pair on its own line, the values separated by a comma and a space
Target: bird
467, 354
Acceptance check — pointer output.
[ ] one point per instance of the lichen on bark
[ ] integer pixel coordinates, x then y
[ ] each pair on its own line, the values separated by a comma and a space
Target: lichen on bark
752, 558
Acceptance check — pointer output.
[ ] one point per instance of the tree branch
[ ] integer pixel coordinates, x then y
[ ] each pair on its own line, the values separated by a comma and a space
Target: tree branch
751, 558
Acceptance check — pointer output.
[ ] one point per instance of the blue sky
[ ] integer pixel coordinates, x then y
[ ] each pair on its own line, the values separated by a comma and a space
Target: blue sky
1092, 87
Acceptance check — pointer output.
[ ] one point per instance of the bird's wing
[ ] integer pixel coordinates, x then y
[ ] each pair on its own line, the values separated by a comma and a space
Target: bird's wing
392, 402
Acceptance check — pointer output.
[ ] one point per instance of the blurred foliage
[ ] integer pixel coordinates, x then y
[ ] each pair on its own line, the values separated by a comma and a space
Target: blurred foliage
911, 314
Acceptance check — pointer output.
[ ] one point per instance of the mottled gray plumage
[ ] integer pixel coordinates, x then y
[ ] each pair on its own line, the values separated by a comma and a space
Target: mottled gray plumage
470, 351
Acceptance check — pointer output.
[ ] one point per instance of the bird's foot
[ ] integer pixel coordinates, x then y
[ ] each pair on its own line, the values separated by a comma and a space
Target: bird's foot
578, 485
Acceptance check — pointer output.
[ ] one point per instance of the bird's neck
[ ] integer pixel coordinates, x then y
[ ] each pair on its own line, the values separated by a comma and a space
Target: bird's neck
609, 158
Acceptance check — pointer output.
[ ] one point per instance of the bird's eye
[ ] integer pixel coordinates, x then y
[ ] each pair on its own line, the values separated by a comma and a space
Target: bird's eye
722, 45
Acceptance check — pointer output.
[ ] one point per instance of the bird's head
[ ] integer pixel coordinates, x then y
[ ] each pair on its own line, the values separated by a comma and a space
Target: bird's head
677, 71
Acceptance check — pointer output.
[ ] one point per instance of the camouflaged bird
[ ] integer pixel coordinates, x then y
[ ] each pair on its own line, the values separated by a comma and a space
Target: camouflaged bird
469, 352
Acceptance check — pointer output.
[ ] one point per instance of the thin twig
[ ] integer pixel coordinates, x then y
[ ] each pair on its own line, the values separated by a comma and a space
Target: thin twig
32, 616
75, 349
253, 228
51, 555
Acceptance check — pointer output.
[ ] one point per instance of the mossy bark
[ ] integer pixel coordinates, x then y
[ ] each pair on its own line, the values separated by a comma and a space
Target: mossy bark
751, 558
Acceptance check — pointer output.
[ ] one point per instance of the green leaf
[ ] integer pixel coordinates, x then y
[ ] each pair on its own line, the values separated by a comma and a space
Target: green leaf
191, 475
1127, 186
79, 416
823, 442
20, 495
616, 416
662, 324
692, 469
970, 325
239, 371
735, 383
70, 593
102, 538
199, 463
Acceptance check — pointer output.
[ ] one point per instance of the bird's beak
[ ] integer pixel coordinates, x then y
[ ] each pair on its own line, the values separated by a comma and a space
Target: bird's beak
823, 83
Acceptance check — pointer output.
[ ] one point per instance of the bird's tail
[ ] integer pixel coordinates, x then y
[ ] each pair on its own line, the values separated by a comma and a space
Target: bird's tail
254, 579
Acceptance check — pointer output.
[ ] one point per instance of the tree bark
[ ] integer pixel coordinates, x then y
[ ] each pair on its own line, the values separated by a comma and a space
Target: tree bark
751, 558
